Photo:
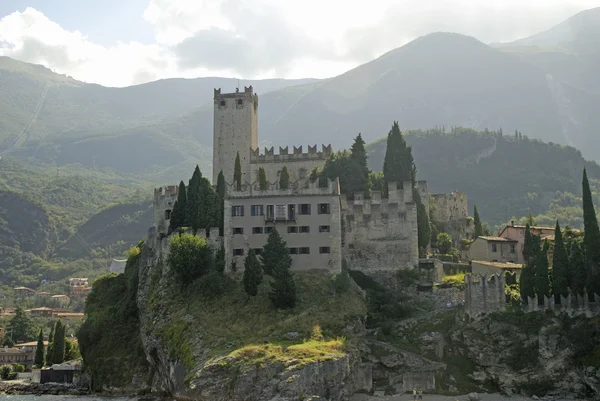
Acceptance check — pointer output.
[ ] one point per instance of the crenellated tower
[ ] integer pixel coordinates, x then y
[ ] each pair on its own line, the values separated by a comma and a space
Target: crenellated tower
235, 129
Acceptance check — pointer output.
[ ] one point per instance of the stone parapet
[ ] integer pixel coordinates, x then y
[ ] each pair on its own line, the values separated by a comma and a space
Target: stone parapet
302, 187
284, 156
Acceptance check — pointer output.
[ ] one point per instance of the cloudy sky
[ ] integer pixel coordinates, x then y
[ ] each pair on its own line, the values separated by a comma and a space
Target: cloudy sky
124, 42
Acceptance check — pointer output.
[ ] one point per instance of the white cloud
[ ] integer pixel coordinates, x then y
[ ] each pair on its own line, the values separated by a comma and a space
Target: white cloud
265, 38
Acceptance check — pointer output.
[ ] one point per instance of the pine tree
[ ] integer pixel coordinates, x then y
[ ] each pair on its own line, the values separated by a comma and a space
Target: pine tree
578, 268
221, 185
192, 197
50, 343
284, 178
398, 164
263, 184
542, 283
39, 351
591, 237
477, 222
58, 345
560, 267
252, 274
179, 209
237, 173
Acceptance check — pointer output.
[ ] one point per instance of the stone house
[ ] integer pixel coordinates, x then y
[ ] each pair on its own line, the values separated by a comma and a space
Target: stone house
24, 292
42, 312
493, 249
517, 233
23, 356
79, 286
60, 300
484, 267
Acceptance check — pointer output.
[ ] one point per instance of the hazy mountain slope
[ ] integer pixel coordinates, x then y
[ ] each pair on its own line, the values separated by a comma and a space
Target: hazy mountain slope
23, 224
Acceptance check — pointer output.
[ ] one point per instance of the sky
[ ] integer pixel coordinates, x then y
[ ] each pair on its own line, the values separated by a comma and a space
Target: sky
127, 42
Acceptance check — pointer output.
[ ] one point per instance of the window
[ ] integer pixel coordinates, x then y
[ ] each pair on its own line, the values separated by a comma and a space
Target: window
238, 230
258, 251
280, 212
324, 208
256, 210
268, 230
304, 250
167, 215
494, 249
222, 103
324, 229
304, 229
257, 230
293, 251
324, 249
304, 209
237, 211
512, 248
240, 102
238, 252
293, 230
270, 213
291, 212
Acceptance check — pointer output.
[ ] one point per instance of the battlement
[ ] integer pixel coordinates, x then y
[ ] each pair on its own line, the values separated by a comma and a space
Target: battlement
166, 192
235, 99
302, 187
484, 294
396, 201
269, 155
164, 200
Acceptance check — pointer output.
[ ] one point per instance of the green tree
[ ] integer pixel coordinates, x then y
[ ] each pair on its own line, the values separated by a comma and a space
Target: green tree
578, 268
344, 166
277, 263
527, 281
220, 259
542, 283
208, 210
58, 345
252, 274
237, 173
21, 326
189, 257
477, 222
444, 243
398, 164
71, 350
358, 155
221, 185
560, 266
591, 237
49, 349
423, 225
263, 184
192, 197
284, 178
179, 209
39, 351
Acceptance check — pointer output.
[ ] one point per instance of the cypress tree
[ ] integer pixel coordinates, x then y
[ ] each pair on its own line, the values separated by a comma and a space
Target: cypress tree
277, 262
192, 197
398, 164
58, 345
423, 226
237, 173
220, 259
263, 184
50, 343
209, 207
39, 351
526, 282
358, 155
179, 209
591, 237
542, 283
560, 267
578, 268
221, 185
477, 222
284, 178
275, 252
252, 274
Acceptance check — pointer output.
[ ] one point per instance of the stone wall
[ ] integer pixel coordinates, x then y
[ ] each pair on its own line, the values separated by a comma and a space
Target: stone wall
447, 207
484, 294
164, 199
381, 234
299, 164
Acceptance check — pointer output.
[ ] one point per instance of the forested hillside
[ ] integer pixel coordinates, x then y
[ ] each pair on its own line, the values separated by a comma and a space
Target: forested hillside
504, 175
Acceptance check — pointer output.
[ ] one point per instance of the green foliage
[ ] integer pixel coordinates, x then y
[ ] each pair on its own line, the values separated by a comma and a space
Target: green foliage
252, 274
5, 371
221, 185
21, 326
477, 222
423, 225
398, 164
358, 154
578, 269
18, 368
49, 352
542, 283
178, 214
220, 260
444, 243
531, 249
237, 172
560, 266
284, 178
58, 344
189, 257
39, 351
71, 350
591, 238
347, 168
277, 263
263, 184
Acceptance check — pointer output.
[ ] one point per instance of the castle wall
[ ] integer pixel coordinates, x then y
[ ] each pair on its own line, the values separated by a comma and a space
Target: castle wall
299, 164
235, 129
452, 206
164, 199
484, 294
381, 234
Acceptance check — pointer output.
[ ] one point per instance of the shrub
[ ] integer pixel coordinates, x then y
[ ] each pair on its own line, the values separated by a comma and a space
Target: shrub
189, 257
17, 367
5, 371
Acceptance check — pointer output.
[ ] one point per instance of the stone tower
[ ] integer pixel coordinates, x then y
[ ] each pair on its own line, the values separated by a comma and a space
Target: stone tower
235, 130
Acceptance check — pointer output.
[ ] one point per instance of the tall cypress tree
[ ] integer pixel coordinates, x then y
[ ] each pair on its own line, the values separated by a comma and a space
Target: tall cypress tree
39, 351
221, 185
275, 252
50, 343
591, 237
252, 274
58, 345
398, 164
578, 268
192, 197
560, 266
179, 209
284, 178
358, 155
263, 184
477, 222
527, 281
237, 172
542, 283
423, 226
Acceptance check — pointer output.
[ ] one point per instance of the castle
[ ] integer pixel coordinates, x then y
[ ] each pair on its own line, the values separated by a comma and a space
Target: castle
320, 225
